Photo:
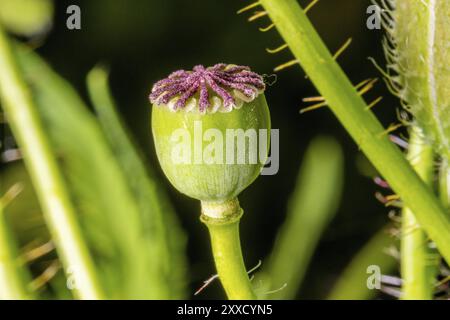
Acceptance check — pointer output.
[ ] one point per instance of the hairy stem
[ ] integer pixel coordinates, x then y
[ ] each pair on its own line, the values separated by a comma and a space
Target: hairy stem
47, 179
359, 121
418, 261
222, 220
421, 57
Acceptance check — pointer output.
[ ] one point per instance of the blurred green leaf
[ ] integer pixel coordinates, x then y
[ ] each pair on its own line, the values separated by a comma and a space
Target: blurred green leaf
26, 17
14, 277
352, 283
109, 211
28, 226
24, 213
312, 205
163, 232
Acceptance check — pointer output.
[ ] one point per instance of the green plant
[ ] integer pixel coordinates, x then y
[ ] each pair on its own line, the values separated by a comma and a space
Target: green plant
417, 72
311, 207
349, 107
352, 282
129, 257
115, 230
41, 162
415, 58
418, 262
12, 276
105, 197
26, 17
215, 174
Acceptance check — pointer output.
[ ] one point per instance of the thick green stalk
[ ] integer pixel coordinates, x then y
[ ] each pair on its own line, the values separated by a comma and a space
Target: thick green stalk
222, 220
418, 261
47, 179
13, 285
358, 120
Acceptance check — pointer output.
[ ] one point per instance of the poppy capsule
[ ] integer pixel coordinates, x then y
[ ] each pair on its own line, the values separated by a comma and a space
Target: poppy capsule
211, 129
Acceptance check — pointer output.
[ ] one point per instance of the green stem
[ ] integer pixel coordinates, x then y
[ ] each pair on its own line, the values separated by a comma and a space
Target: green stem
13, 285
358, 120
418, 265
47, 179
222, 220
444, 183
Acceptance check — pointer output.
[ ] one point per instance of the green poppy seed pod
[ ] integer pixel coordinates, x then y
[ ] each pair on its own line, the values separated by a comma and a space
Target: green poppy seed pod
211, 129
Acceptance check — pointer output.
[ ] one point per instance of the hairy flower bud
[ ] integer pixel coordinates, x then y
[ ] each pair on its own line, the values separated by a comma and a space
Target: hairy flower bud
417, 49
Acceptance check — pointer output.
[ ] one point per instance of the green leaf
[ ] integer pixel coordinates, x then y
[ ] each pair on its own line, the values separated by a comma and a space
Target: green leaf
116, 229
28, 227
26, 17
14, 277
157, 213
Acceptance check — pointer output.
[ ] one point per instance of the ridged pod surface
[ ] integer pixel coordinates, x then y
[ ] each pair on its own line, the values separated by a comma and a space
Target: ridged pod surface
195, 118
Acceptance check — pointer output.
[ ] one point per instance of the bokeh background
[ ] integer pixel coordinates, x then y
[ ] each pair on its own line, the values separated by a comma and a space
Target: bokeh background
142, 41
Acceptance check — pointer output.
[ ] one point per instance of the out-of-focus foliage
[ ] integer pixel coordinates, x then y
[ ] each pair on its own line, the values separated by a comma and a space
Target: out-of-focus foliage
28, 227
138, 41
13, 276
159, 223
352, 283
312, 205
24, 212
26, 17
116, 229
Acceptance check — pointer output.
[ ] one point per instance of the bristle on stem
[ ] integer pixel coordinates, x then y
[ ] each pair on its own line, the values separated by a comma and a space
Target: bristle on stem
280, 48
269, 27
46, 276
257, 15
286, 65
391, 85
310, 5
374, 103
206, 283
11, 193
392, 127
313, 107
362, 84
313, 99
38, 252
367, 87
342, 48
249, 7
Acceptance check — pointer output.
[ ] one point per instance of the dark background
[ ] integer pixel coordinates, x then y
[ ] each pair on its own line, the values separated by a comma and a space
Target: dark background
143, 40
